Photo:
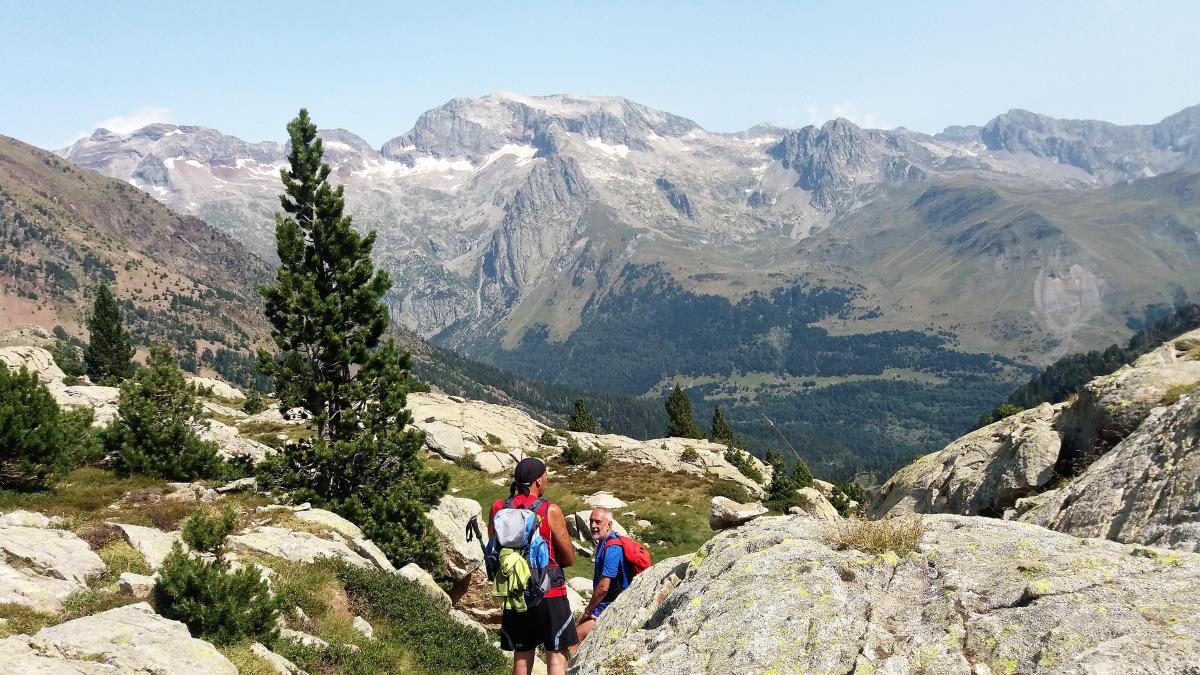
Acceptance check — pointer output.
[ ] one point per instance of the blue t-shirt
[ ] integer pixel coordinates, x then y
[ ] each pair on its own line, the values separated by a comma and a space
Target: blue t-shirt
610, 563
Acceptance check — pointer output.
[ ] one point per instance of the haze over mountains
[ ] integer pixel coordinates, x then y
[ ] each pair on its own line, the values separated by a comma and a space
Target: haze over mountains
809, 274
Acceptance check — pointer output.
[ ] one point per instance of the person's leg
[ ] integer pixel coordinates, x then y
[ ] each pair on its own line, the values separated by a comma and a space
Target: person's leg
582, 629
556, 662
523, 662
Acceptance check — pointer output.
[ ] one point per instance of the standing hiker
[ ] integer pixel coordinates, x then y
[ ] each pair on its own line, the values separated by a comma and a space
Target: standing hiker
527, 549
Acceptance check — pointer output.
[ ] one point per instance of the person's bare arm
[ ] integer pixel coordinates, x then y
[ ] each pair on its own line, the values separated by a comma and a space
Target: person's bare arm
598, 594
563, 551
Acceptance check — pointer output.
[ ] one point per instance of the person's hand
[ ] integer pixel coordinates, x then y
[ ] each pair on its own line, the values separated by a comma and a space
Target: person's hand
587, 617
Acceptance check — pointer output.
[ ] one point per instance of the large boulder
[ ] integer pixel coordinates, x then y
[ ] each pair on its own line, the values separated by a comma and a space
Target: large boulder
102, 400
1111, 407
424, 580
977, 595
34, 359
231, 444
814, 503
1145, 490
40, 567
727, 513
450, 517
136, 640
984, 472
301, 547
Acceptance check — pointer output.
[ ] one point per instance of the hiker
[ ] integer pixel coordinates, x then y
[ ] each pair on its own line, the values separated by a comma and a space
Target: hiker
532, 616
611, 574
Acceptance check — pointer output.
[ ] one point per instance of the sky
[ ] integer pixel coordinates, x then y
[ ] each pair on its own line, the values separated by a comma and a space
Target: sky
245, 68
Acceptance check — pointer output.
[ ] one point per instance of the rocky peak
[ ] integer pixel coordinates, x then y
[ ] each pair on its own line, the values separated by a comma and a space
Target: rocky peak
473, 128
834, 158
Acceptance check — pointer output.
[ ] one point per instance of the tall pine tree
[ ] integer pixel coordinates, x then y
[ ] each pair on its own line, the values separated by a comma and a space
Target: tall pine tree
581, 420
679, 416
721, 431
328, 317
109, 356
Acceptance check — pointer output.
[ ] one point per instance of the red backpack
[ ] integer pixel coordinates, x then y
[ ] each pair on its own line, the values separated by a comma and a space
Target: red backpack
637, 556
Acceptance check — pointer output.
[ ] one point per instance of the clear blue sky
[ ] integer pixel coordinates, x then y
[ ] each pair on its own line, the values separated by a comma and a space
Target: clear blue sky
246, 67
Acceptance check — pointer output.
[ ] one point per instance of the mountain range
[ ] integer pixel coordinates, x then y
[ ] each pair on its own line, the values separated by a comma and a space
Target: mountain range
872, 290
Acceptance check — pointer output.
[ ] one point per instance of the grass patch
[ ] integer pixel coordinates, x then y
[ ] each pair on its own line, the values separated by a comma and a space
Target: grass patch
246, 662
89, 601
1177, 391
120, 557
23, 620
898, 535
80, 495
730, 490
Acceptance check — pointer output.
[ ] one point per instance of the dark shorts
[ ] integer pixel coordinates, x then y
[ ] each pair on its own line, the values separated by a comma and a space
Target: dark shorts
549, 624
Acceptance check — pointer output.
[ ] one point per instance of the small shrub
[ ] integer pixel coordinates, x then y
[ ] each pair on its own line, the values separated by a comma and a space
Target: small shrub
493, 439
847, 498
729, 490
562, 433
468, 461
689, 455
206, 532
254, 402
98, 536
898, 535
548, 437
592, 458
217, 604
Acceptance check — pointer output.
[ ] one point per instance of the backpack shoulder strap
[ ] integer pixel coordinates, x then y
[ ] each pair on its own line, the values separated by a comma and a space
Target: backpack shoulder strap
508, 503
537, 505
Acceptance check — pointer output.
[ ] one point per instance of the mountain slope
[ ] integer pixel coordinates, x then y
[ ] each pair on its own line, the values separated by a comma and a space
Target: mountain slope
64, 229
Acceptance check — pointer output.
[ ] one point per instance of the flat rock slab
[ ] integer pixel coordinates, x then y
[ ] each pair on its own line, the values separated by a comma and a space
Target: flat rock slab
300, 547
39, 568
22, 518
152, 543
136, 585
976, 595
331, 520
136, 640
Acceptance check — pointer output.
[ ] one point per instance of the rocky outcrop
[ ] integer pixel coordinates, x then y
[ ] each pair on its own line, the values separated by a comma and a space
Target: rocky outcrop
727, 513
1112, 406
1008, 466
102, 400
816, 504
1145, 490
499, 436
332, 521
984, 472
218, 388
40, 567
131, 639
977, 595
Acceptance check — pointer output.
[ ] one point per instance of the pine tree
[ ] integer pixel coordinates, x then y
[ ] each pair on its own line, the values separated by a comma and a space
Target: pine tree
581, 420
679, 416
782, 489
109, 356
721, 431
328, 317
254, 400
801, 474
38, 440
155, 429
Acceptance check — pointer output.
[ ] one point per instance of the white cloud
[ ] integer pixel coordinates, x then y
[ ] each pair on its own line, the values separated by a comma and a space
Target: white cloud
124, 124
811, 113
